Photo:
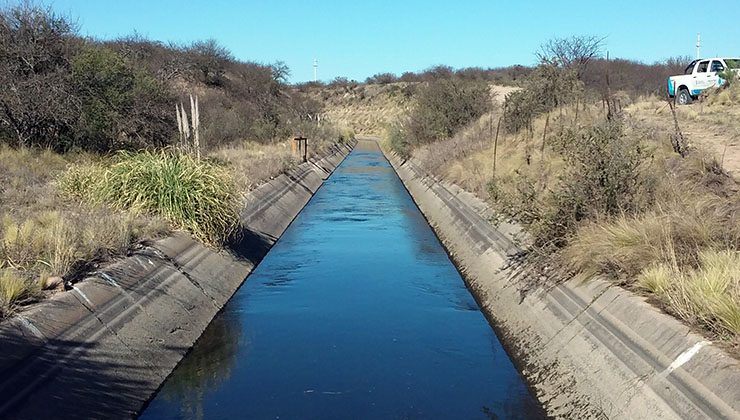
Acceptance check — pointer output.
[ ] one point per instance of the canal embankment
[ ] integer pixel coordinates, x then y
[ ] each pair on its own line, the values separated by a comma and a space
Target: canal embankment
102, 349
357, 312
588, 349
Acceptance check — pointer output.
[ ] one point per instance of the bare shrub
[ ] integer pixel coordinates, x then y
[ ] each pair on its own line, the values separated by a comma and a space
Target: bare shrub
36, 102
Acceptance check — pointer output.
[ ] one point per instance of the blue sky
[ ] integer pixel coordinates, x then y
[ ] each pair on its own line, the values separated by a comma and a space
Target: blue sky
356, 39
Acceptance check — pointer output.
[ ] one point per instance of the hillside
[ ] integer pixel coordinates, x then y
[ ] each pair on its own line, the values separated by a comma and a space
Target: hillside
367, 109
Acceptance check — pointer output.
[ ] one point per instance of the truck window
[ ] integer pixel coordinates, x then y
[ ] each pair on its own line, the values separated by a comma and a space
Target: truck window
690, 68
717, 66
733, 63
703, 65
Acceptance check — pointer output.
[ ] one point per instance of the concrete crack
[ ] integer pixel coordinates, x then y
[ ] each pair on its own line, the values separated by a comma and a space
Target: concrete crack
156, 253
580, 312
88, 305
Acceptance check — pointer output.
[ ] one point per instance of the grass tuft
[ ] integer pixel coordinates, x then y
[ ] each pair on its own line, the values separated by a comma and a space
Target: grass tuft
13, 289
196, 195
708, 295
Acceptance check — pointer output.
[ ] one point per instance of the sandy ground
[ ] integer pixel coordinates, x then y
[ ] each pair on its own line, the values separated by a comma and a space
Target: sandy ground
715, 129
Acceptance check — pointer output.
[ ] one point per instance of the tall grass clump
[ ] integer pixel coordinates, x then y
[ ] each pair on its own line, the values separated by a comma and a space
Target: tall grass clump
14, 289
708, 295
196, 195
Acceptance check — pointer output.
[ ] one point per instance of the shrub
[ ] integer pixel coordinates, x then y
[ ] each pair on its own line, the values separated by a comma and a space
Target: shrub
729, 75
546, 88
602, 177
198, 196
38, 107
120, 107
382, 79
444, 106
209, 60
396, 140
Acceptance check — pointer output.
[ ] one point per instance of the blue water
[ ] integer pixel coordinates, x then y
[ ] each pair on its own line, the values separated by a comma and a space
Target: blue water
357, 312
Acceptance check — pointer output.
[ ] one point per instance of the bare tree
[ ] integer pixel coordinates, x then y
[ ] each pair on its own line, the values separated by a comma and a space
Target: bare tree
573, 52
209, 59
35, 100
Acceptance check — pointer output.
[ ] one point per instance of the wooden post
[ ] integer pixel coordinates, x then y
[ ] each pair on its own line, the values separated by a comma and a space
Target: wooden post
544, 135
495, 144
299, 147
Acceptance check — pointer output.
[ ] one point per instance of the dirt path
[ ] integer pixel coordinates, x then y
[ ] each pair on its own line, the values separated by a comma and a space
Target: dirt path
713, 129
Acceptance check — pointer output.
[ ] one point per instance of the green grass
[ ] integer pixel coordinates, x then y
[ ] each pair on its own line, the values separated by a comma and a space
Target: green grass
195, 195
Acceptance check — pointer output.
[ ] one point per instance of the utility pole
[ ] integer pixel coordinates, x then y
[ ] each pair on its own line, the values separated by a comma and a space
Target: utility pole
315, 68
698, 46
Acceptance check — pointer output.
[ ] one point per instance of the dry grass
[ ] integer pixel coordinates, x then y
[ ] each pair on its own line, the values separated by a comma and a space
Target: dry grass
43, 235
680, 245
708, 295
711, 124
254, 163
365, 109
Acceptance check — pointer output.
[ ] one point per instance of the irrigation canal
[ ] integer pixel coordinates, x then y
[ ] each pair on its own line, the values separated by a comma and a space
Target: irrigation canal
357, 312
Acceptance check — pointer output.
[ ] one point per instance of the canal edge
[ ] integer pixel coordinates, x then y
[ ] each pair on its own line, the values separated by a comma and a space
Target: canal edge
106, 347
588, 350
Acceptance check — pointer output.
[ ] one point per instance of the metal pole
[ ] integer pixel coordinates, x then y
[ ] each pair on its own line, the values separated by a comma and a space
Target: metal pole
698, 46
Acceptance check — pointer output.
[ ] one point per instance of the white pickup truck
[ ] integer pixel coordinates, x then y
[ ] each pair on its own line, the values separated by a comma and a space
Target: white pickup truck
699, 75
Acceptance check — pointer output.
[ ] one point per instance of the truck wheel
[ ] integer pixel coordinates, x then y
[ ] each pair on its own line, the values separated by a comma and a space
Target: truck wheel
684, 97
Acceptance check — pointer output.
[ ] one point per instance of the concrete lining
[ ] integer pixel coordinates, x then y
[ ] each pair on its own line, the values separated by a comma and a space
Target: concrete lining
589, 350
104, 348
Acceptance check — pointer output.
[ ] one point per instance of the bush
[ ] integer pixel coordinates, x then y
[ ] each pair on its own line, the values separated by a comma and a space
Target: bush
198, 196
546, 88
119, 106
38, 105
602, 178
397, 141
444, 106
208, 60
382, 79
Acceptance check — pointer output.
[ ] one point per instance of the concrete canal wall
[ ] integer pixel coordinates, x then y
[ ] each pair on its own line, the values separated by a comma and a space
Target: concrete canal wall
589, 350
102, 349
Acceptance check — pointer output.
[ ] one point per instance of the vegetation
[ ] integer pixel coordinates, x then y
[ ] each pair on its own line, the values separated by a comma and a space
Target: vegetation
440, 108
44, 236
197, 196
87, 135
592, 177
66, 92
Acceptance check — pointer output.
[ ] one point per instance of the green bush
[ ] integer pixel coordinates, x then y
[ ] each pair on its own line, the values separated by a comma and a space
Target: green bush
198, 196
397, 141
119, 106
728, 75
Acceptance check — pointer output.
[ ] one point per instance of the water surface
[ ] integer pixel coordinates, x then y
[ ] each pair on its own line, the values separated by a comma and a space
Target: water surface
357, 312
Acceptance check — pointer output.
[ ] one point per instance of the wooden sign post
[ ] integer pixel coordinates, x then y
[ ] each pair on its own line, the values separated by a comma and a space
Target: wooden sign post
299, 147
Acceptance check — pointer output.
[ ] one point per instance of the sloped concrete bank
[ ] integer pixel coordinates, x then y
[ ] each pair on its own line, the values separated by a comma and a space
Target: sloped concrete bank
589, 350
103, 349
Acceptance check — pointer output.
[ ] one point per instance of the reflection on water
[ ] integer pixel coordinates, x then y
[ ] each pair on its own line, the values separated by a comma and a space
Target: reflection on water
207, 366
357, 312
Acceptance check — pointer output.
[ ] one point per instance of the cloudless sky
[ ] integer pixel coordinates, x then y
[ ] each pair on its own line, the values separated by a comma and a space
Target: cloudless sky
359, 38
